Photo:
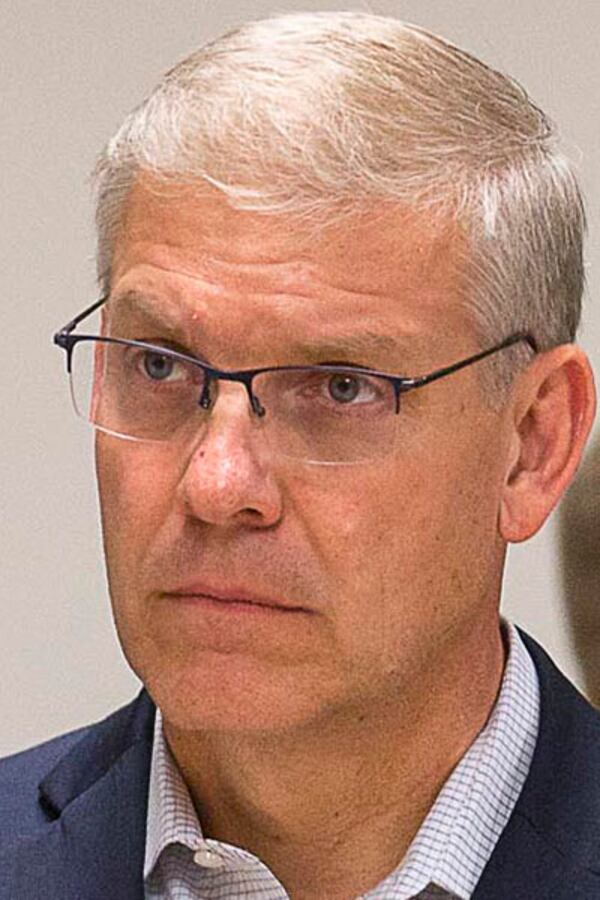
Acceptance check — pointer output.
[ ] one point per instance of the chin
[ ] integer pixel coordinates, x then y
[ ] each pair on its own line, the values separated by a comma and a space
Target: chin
234, 695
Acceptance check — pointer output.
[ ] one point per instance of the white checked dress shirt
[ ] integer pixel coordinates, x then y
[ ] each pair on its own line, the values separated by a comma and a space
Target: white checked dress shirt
447, 855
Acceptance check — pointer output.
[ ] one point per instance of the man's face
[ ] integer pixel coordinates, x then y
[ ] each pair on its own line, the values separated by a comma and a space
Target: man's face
395, 563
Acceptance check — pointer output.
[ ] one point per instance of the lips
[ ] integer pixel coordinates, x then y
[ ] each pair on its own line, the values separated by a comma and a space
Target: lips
232, 595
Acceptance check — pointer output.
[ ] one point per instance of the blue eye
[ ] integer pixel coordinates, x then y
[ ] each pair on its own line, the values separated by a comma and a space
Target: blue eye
344, 388
157, 366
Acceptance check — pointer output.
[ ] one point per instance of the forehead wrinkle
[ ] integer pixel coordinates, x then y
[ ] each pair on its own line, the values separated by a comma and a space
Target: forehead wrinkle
287, 293
295, 279
158, 305
298, 277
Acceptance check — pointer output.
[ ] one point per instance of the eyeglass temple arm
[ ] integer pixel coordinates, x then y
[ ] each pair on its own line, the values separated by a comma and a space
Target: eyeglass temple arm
61, 336
448, 370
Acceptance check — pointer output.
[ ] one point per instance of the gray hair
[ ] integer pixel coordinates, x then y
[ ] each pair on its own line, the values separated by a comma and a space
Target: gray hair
316, 115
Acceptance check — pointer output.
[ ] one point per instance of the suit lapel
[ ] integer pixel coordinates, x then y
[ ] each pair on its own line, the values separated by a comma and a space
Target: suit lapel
524, 866
550, 848
96, 800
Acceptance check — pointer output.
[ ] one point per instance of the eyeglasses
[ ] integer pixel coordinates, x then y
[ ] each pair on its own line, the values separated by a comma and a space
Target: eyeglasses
324, 414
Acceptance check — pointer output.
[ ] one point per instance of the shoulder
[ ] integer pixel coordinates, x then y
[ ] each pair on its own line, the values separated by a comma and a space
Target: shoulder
74, 754
561, 796
568, 721
21, 774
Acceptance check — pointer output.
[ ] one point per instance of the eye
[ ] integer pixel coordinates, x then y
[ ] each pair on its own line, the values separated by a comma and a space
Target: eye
347, 389
157, 366
344, 388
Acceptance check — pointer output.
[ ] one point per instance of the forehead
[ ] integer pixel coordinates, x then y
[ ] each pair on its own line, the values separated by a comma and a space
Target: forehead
387, 267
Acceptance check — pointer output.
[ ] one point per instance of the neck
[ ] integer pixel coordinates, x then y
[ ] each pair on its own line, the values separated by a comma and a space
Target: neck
332, 810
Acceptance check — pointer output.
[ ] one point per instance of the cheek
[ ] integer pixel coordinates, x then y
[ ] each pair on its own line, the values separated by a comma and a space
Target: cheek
135, 490
361, 526
408, 546
364, 522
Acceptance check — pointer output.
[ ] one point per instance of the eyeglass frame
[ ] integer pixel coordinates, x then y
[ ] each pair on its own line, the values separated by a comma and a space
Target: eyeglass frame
66, 340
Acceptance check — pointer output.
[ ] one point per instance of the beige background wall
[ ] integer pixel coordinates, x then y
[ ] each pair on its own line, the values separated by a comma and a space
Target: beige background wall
69, 71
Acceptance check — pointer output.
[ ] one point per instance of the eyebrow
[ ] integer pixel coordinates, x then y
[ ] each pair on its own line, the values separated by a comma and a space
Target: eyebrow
340, 347
363, 344
138, 302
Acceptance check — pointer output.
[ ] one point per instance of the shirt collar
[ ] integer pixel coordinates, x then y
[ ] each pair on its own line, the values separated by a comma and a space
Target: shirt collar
171, 814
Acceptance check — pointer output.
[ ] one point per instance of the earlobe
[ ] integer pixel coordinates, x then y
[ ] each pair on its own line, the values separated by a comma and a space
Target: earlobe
553, 410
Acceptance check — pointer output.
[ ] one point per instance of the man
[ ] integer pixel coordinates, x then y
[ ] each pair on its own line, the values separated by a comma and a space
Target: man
332, 377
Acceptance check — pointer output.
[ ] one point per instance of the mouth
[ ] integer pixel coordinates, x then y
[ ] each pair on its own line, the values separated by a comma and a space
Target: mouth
235, 599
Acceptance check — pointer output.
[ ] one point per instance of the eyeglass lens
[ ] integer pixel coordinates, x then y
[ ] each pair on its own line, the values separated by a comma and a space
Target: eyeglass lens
341, 416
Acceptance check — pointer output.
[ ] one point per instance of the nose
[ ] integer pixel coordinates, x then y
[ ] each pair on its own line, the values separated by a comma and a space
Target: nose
228, 477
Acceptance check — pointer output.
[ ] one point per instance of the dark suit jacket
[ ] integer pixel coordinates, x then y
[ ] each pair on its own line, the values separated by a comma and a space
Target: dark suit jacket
73, 810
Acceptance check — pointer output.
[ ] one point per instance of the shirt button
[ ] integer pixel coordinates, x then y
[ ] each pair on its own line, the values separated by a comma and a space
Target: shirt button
207, 858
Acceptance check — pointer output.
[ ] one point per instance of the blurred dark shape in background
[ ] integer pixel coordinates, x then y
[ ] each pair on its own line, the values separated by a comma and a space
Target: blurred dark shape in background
579, 531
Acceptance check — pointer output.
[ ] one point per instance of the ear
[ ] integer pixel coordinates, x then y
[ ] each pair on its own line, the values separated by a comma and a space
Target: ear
553, 406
